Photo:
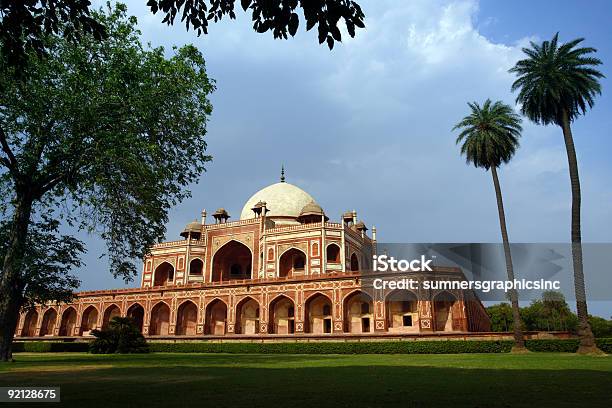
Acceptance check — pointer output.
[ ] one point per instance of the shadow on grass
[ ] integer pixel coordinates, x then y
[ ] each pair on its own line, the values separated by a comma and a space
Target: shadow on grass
350, 385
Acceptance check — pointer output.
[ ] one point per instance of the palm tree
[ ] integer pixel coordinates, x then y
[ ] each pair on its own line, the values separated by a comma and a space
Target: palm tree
557, 83
490, 137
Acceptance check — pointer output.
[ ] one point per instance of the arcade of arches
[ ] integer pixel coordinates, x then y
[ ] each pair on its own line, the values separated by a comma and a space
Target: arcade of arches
282, 267
401, 312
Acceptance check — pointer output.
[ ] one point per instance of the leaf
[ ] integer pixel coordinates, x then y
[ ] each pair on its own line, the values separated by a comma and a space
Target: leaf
293, 24
335, 32
245, 4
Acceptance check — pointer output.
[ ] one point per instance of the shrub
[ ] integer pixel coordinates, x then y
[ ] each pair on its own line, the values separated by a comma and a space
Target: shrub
48, 347
122, 336
600, 326
604, 345
383, 347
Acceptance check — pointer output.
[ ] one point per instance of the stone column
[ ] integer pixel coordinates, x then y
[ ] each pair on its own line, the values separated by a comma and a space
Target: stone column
201, 314
298, 309
426, 320
230, 325
146, 317
380, 311
173, 313
337, 312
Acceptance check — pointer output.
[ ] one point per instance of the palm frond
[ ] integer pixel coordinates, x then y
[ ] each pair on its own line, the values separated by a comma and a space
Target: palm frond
489, 135
555, 79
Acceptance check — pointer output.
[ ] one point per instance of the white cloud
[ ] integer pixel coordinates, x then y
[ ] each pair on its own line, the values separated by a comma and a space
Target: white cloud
368, 126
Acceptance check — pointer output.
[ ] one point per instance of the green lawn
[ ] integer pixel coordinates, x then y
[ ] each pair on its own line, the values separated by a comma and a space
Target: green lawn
314, 381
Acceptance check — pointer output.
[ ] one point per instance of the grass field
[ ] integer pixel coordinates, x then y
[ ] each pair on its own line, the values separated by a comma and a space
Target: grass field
248, 380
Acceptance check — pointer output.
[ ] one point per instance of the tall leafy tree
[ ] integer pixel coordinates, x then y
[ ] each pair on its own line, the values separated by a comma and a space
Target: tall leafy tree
24, 24
557, 83
48, 259
109, 132
489, 137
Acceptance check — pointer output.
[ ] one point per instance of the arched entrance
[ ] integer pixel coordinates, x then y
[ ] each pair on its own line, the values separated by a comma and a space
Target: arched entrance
292, 262
109, 313
68, 322
187, 319
282, 316
333, 253
160, 320
402, 311
136, 312
358, 313
164, 274
196, 266
247, 316
216, 318
232, 261
443, 304
318, 315
89, 321
29, 324
48, 323
354, 263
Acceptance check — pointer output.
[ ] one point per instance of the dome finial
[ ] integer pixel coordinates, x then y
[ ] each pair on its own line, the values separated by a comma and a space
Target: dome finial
282, 173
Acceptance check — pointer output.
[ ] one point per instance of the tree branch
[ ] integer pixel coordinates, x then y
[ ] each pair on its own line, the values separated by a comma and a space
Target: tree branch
10, 161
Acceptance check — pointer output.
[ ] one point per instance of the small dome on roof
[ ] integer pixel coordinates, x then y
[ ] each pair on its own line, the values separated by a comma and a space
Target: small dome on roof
361, 226
192, 227
312, 209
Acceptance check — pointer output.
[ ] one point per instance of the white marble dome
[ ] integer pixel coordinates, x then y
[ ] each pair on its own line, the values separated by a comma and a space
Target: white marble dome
282, 200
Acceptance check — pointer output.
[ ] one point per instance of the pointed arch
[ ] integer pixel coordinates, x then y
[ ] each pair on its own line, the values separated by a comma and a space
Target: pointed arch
247, 316
49, 321
160, 320
136, 313
233, 260
354, 262
281, 315
110, 312
402, 311
292, 261
196, 267
443, 310
216, 317
187, 319
318, 310
332, 253
68, 322
29, 323
358, 307
89, 320
164, 274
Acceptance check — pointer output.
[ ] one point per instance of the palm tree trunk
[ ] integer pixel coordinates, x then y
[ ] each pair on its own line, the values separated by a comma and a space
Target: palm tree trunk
519, 339
587, 340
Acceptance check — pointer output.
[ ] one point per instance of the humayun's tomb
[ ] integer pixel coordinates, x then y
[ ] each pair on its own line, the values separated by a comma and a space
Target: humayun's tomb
282, 270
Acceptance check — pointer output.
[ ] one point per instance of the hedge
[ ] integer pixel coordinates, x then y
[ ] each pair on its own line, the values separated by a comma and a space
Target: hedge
380, 347
49, 347
383, 347
391, 347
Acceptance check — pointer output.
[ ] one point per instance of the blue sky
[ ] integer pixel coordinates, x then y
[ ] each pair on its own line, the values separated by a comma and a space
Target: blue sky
367, 125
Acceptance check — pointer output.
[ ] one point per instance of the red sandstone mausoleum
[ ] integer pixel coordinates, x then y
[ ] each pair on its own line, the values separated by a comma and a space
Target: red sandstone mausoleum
281, 270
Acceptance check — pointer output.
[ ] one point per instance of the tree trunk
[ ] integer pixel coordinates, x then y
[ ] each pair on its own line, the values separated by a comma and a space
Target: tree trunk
11, 284
587, 340
519, 340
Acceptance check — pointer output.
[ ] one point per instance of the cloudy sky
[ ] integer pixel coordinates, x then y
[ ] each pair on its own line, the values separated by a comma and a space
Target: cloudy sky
367, 126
